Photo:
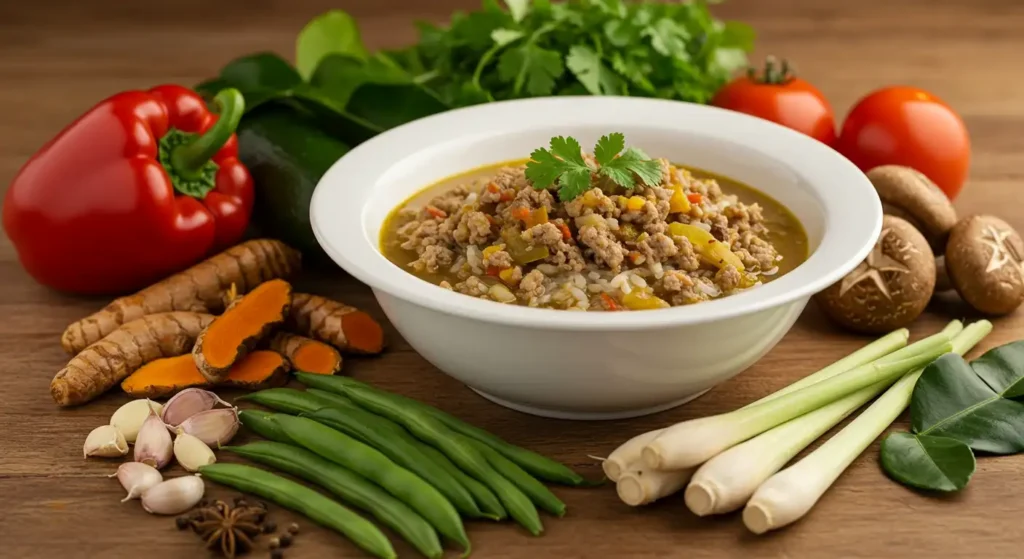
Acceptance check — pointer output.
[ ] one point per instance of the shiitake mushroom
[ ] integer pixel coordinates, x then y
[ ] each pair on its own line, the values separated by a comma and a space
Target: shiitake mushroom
984, 262
890, 288
908, 194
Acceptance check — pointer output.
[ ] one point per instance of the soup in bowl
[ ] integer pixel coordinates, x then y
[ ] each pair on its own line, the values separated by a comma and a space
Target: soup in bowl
718, 239
688, 237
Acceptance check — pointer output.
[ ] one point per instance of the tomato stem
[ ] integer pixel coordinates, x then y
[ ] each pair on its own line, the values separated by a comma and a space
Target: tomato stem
776, 72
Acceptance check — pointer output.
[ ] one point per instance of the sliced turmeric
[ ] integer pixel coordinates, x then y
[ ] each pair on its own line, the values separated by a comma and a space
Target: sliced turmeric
107, 362
260, 369
340, 325
197, 289
306, 355
164, 377
232, 335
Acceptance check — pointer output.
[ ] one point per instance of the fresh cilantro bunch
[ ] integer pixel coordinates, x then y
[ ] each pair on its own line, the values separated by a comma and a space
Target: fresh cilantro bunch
564, 163
598, 47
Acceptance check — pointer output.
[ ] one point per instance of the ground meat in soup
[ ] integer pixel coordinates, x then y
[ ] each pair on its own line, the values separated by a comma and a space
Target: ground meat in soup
496, 237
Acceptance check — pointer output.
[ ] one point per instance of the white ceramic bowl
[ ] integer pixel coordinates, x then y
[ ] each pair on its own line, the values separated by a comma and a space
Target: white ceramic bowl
592, 365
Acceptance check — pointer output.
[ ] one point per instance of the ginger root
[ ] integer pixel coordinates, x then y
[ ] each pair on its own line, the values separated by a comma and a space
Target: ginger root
107, 362
306, 355
164, 377
340, 325
197, 289
232, 335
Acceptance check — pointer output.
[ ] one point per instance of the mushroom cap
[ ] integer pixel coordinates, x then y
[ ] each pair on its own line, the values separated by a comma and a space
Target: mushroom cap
890, 288
983, 259
909, 194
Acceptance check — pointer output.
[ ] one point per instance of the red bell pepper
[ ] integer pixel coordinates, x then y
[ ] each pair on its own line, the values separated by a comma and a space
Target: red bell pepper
143, 185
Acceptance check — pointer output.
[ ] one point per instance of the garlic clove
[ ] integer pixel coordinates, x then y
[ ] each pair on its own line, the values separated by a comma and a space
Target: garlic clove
191, 452
129, 417
187, 403
136, 478
174, 496
213, 427
153, 446
105, 441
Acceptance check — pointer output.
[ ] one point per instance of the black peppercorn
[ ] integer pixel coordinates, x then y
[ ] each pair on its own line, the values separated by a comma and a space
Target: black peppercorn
182, 522
277, 554
286, 540
293, 528
204, 503
269, 526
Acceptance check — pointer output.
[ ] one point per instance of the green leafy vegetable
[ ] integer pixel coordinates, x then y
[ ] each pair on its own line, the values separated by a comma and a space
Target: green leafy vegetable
956, 407
564, 163
524, 48
927, 462
334, 32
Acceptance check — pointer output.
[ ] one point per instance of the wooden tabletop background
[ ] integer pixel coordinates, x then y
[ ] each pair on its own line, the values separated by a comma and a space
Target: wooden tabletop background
57, 58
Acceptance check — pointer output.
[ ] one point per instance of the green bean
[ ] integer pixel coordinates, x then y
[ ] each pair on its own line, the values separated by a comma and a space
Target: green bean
535, 490
303, 500
287, 400
429, 430
395, 443
370, 463
349, 486
539, 466
489, 505
261, 423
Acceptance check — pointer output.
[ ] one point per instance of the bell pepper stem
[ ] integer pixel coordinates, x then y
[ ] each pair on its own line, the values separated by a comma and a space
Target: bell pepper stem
189, 158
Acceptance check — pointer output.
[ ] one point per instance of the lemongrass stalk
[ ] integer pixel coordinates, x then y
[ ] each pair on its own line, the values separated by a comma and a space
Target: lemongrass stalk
724, 483
643, 487
790, 494
691, 443
627, 456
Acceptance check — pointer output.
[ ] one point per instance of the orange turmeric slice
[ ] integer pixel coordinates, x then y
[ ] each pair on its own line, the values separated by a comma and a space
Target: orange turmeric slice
232, 335
260, 369
331, 322
164, 377
109, 361
306, 355
197, 289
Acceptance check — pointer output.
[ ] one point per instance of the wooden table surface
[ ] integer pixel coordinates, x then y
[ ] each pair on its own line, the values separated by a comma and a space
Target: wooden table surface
57, 58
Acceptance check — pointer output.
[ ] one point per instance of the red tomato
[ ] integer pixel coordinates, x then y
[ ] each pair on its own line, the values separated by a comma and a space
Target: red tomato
780, 97
907, 126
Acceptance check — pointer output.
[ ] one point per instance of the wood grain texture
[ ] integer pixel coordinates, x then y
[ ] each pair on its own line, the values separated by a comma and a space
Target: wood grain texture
57, 58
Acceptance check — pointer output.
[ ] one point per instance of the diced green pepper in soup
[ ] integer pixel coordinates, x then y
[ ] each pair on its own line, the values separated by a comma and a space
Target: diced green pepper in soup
690, 237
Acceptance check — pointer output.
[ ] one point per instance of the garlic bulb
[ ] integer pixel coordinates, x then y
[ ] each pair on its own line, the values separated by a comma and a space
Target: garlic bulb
187, 403
153, 446
213, 427
129, 418
136, 478
191, 452
174, 496
105, 441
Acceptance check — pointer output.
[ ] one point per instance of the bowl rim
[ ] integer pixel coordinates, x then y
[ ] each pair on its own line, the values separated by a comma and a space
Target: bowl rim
852, 208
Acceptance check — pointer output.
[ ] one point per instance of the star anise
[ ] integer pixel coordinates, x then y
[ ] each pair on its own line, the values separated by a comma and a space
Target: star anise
228, 529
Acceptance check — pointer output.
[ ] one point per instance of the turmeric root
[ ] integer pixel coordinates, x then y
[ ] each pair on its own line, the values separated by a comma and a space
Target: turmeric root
164, 377
197, 289
340, 325
232, 335
109, 361
306, 355
260, 369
